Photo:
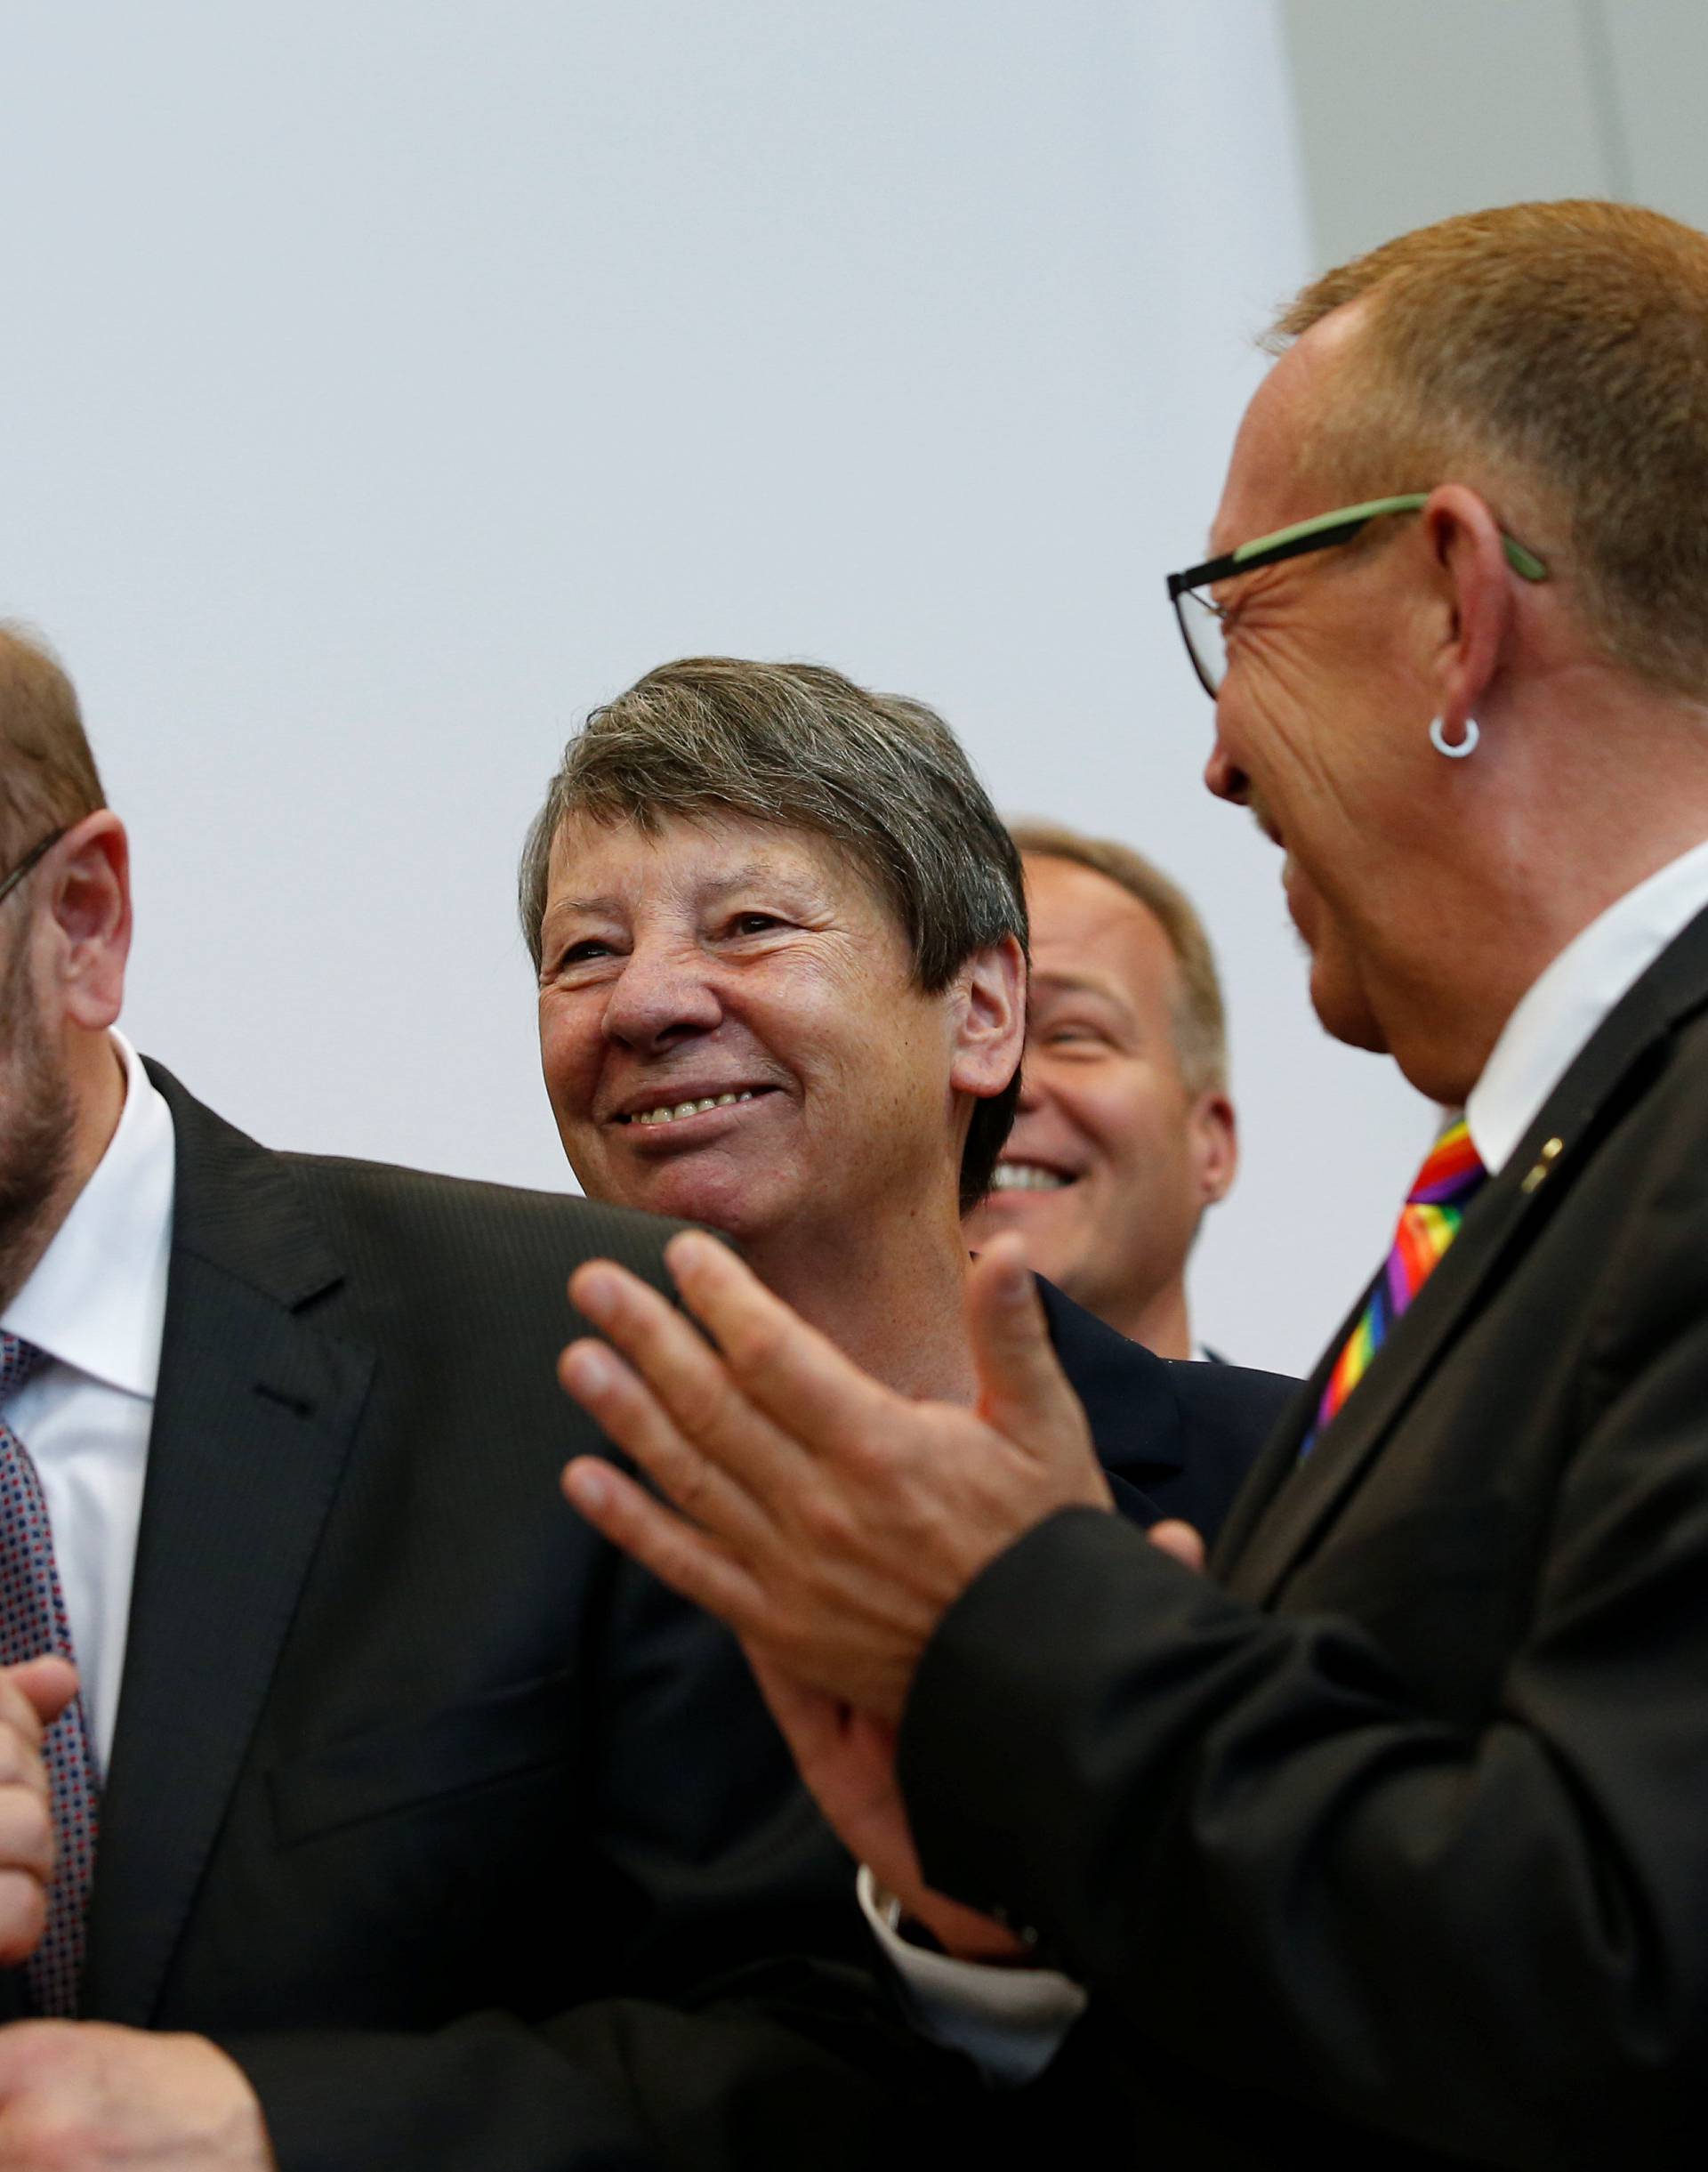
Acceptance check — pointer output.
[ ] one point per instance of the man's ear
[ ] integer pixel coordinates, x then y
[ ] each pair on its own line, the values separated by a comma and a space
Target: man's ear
1213, 1133
1470, 550
87, 912
990, 1020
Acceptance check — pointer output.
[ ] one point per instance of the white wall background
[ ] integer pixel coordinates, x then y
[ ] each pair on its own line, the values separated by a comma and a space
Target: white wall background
385, 383
1412, 110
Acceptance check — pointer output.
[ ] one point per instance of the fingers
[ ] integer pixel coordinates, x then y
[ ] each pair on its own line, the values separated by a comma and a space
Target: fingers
1023, 1392
21, 1764
23, 1914
848, 1764
628, 1413
26, 1833
785, 1367
686, 1558
689, 1382
32, 1696
1180, 1539
35, 1693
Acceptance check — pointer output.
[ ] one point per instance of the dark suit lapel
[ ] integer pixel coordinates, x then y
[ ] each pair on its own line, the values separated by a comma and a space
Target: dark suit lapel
1288, 1504
1128, 1398
253, 1421
1280, 1456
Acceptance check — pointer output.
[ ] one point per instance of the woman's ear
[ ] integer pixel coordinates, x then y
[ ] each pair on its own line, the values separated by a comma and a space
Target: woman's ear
989, 1019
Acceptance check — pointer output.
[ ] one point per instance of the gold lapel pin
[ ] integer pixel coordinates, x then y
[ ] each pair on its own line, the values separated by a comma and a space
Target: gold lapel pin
1544, 1161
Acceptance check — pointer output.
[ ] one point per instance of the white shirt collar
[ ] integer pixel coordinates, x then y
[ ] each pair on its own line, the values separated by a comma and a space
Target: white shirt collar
97, 1300
1561, 1010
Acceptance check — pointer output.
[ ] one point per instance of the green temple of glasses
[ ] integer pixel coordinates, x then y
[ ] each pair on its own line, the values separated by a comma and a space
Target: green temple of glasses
1324, 529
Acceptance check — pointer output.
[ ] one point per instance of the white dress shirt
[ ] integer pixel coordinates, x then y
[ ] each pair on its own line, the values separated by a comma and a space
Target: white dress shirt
96, 1304
979, 2009
1560, 1013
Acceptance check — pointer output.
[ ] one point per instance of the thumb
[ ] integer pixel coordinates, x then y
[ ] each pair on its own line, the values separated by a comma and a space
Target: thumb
1023, 1391
49, 1682
811, 1723
1182, 1540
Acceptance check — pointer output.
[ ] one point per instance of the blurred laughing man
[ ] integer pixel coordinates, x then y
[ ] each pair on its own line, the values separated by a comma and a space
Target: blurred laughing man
1125, 1132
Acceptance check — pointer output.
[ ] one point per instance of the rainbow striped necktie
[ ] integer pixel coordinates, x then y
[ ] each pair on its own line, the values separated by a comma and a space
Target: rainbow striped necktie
1428, 1222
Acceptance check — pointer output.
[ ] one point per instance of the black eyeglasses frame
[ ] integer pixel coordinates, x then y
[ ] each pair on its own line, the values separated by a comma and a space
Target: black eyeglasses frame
33, 858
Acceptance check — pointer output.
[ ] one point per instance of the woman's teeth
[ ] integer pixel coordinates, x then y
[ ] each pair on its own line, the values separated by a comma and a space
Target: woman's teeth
689, 1107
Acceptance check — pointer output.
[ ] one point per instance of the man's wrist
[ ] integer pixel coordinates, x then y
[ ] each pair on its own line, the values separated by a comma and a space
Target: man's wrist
905, 1926
933, 1924
1010, 2019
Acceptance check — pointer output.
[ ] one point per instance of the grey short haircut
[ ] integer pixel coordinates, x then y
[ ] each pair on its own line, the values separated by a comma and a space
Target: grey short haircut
1200, 1019
879, 775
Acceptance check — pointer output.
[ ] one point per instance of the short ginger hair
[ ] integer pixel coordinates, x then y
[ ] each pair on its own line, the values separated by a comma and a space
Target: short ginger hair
1554, 356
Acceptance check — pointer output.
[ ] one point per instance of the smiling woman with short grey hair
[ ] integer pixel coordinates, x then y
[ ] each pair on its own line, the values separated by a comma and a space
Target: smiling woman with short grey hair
801, 746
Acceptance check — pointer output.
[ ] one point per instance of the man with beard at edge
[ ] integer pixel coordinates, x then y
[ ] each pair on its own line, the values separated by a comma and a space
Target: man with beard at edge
37, 1143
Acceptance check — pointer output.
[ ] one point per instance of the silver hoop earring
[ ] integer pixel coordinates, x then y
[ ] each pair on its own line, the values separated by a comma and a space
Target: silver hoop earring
1467, 746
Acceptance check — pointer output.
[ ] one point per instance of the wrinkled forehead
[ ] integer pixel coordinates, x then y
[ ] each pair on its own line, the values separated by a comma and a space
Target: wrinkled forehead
693, 853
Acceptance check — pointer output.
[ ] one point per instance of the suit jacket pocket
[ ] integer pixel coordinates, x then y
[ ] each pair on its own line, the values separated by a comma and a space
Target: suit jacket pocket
499, 1736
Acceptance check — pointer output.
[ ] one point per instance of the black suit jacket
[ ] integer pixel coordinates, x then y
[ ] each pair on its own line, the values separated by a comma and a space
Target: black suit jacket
408, 1760
1397, 1841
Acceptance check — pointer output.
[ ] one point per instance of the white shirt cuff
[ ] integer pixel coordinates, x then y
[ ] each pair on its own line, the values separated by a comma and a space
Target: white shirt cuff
1010, 2021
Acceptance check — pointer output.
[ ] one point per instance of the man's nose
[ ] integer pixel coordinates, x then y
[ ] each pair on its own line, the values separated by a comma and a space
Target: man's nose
1224, 777
663, 994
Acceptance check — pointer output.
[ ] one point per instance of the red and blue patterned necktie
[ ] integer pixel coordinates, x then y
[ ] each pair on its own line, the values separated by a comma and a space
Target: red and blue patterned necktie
33, 1622
1428, 1222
